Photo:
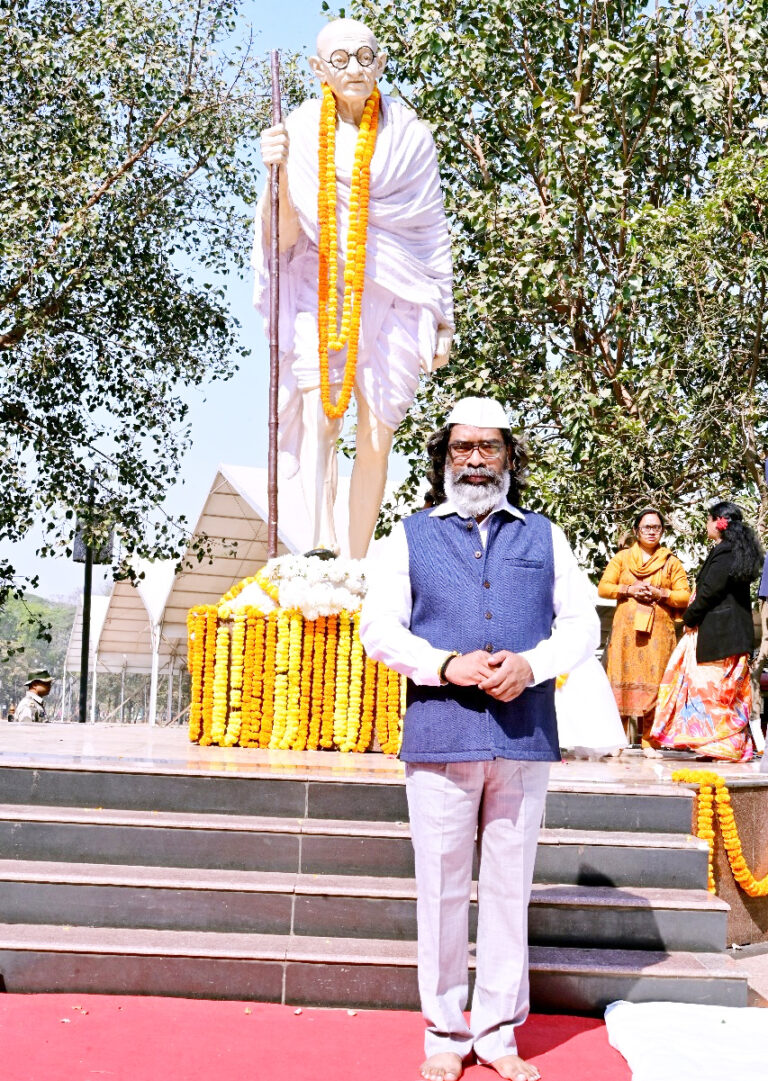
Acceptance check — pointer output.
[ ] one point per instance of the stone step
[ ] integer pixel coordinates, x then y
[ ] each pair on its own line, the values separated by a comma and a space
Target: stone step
312, 846
579, 805
340, 905
305, 971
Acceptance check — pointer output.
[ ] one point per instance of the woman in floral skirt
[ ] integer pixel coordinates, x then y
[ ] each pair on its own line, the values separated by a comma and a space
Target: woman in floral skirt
705, 697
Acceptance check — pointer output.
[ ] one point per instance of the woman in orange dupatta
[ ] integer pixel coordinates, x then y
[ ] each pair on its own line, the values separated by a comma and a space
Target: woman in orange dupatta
649, 585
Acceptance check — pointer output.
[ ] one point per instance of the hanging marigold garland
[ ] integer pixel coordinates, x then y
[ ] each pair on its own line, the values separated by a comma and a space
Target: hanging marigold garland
251, 706
268, 684
318, 669
355, 687
220, 682
341, 700
354, 267
305, 701
715, 797
195, 660
209, 665
329, 682
368, 708
236, 671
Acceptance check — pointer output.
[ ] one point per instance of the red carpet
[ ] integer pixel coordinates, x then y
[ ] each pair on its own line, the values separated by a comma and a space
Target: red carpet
107, 1038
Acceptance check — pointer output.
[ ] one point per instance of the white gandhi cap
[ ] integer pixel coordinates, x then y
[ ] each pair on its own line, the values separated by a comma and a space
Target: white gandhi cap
479, 413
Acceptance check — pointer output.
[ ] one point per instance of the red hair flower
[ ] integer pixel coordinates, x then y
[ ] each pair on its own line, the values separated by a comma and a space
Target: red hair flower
721, 524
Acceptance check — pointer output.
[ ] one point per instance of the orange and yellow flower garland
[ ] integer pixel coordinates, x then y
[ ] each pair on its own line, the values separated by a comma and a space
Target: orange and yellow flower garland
307, 635
268, 684
220, 683
251, 704
209, 664
714, 796
354, 268
329, 682
195, 660
236, 667
284, 682
318, 670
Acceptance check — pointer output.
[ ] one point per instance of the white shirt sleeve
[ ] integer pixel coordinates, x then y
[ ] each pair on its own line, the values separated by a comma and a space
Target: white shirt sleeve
576, 631
386, 615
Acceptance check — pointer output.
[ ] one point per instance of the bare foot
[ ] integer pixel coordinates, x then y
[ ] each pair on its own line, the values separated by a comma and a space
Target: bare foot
445, 1066
515, 1068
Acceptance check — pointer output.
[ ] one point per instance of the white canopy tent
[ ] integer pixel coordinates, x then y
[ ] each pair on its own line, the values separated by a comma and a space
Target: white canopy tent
143, 628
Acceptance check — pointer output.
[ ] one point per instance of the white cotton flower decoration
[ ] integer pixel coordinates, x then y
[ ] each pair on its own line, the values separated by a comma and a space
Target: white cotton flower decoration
314, 586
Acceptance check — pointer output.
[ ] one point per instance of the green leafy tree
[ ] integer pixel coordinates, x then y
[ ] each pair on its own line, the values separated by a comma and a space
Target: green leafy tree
22, 649
603, 168
128, 176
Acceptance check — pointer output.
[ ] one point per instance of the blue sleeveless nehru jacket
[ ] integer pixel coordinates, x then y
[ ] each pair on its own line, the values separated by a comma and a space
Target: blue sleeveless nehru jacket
467, 597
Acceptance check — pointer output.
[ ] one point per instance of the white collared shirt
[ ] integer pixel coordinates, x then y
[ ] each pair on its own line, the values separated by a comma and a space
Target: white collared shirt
386, 614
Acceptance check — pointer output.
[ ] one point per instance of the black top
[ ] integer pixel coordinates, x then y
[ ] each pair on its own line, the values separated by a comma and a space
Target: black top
721, 609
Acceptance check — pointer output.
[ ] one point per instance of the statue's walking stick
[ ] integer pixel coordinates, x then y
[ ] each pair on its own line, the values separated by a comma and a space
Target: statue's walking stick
274, 316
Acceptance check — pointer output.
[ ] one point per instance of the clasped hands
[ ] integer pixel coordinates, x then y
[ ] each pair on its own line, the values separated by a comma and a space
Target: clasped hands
642, 591
502, 675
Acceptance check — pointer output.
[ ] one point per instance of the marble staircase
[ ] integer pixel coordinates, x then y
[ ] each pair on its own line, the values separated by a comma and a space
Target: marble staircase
293, 886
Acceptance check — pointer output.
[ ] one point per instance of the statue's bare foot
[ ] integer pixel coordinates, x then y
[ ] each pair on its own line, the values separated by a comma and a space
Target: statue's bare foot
515, 1068
444, 1066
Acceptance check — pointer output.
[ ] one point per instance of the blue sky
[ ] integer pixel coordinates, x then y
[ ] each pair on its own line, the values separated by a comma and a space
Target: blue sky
292, 25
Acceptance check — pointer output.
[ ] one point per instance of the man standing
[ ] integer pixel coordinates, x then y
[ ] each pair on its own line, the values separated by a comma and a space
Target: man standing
481, 605
404, 303
31, 706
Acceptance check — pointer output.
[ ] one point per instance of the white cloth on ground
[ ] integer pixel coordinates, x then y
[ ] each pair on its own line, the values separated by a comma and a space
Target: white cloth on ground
447, 802
408, 268
588, 722
386, 614
677, 1041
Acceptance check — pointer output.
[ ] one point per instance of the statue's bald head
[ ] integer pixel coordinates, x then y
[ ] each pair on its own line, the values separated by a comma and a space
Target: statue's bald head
346, 34
349, 60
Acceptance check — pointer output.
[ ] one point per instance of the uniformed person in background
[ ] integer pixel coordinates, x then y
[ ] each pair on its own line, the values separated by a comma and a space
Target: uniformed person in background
32, 707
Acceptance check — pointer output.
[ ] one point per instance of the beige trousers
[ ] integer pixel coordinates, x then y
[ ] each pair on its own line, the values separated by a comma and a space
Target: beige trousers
501, 801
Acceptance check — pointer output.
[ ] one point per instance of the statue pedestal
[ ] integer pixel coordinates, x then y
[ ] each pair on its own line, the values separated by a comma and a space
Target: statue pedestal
290, 673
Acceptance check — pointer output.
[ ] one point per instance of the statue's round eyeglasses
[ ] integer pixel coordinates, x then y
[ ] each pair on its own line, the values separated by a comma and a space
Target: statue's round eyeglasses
340, 58
489, 448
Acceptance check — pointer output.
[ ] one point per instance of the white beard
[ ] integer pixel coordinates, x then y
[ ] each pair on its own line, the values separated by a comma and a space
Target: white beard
476, 500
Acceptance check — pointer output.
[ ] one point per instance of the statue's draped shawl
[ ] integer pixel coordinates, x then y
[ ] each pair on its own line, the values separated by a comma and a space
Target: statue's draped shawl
408, 266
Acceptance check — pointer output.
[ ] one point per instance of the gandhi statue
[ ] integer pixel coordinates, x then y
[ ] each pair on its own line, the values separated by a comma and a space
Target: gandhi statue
406, 321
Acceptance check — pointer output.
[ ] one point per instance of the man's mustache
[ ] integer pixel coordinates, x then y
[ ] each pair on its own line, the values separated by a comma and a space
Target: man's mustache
462, 475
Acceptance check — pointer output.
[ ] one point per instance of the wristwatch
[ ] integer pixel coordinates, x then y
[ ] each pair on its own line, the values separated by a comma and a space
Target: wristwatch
444, 665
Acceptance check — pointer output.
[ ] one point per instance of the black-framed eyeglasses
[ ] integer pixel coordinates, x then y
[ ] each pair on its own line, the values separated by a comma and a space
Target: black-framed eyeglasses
650, 529
340, 58
460, 451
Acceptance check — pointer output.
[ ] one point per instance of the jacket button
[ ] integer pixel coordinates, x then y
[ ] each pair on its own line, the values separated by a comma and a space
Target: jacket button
488, 647
478, 555
488, 615
487, 585
469, 527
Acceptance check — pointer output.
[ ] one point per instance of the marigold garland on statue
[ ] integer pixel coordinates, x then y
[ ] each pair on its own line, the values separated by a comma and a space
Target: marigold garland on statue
318, 669
293, 699
282, 654
220, 684
354, 268
196, 641
305, 700
268, 685
209, 664
714, 790
236, 666
250, 707
341, 701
